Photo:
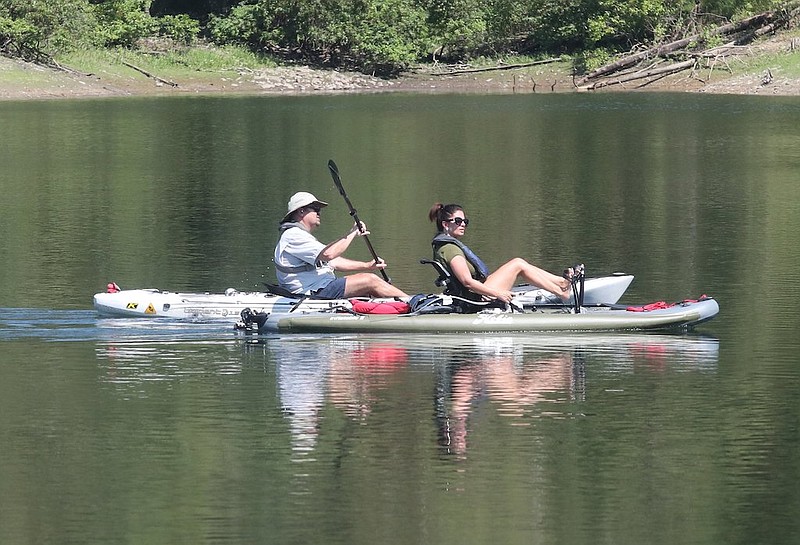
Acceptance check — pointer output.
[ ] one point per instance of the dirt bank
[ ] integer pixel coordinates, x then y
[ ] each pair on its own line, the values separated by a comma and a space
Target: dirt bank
745, 75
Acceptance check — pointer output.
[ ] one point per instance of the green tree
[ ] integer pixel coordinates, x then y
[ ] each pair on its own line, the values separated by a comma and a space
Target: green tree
458, 27
196, 9
124, 22
372, 35
737, 9
381, 36
38, 30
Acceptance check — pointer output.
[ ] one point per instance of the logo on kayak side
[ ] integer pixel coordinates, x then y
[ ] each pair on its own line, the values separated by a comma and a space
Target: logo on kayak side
205, 311
493, 319
132, 306
150, 309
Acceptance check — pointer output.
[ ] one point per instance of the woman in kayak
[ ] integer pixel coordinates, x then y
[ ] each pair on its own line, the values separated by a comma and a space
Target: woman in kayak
468, 269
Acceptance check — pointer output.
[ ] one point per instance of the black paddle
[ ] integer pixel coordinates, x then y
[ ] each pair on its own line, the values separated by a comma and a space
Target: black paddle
338, 181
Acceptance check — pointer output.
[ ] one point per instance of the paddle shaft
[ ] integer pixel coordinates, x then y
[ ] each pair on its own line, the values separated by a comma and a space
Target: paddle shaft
337, 180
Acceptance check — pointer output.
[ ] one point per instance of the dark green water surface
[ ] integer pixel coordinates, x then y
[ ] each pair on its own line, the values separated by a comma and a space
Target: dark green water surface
125, 431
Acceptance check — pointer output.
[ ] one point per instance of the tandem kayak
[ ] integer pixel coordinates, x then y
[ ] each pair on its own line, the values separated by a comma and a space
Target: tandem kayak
155, 303
681, 315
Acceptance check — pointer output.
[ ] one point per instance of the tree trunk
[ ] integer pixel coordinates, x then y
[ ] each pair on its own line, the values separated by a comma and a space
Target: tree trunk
677, 67
497, 67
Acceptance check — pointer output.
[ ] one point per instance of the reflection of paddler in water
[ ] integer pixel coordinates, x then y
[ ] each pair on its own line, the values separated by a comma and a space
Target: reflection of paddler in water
310, 371
513, 384
302, 372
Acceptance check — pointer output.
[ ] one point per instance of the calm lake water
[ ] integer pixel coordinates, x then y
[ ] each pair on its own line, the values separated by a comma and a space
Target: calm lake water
125, 431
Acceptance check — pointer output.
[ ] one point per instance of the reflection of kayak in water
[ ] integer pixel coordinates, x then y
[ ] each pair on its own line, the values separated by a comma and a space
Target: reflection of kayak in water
688, 344
687, 351
389, 351
590, 318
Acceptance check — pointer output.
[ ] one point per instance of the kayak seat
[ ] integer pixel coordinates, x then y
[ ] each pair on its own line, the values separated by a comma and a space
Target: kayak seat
275, 289
449, 283
445, 280
464, 300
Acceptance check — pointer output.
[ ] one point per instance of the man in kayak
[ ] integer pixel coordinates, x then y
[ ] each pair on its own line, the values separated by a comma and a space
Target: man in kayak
304, 265
472, 273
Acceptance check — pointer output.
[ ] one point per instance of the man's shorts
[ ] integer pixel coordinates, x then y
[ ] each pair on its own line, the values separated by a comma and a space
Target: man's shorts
334, 290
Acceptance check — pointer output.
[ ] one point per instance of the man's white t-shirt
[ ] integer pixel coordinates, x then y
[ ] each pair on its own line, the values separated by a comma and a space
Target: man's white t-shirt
298, 249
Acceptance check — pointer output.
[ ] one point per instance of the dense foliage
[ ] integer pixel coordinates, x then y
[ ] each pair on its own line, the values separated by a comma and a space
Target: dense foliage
379, 36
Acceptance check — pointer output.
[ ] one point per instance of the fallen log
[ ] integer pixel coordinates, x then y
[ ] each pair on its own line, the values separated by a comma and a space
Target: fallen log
760, 20
719, 51
60, 67
757, 33
663, 71
497, 67
149, 75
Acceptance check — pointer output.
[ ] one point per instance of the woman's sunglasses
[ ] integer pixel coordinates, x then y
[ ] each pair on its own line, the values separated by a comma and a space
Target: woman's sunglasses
458, 221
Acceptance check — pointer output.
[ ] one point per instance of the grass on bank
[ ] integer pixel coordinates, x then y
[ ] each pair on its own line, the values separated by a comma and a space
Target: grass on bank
167, 63
783, 60
18, 75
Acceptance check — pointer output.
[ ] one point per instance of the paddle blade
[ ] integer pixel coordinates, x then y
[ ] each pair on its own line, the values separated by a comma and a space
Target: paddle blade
335, 175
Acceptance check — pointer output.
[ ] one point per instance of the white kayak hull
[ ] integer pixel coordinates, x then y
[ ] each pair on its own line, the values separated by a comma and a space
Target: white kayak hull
153, 303
682, 315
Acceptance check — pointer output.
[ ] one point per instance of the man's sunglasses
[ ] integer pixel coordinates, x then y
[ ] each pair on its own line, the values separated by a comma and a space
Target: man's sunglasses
458, 221
315, 208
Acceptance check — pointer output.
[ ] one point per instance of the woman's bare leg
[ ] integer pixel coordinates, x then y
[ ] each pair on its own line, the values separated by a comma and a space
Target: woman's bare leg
506, 276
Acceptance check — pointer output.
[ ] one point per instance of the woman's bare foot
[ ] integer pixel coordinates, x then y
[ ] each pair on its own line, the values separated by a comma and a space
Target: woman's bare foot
566, 283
